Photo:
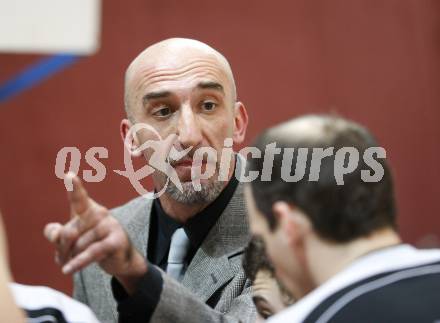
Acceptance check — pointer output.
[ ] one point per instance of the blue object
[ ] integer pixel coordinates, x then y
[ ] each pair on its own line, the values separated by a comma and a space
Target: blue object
35, 74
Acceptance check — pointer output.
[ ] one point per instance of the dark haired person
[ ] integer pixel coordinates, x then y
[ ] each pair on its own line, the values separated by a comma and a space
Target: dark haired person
335, 243
268, 295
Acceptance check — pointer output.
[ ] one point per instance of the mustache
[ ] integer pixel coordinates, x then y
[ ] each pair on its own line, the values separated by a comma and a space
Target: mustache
191, 156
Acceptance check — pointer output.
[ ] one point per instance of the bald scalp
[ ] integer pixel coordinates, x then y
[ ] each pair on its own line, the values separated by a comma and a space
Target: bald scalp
168, 51
313, 129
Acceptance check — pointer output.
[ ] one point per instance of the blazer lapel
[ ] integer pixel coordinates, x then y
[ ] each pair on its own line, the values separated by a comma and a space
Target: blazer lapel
210, 269
135, 219
136, 222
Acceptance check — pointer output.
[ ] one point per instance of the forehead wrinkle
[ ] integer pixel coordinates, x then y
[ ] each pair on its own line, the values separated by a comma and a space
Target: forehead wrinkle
163, 68
152, 77
204, 75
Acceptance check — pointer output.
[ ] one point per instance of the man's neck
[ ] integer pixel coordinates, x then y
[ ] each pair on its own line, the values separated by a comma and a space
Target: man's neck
180, 212
328, 259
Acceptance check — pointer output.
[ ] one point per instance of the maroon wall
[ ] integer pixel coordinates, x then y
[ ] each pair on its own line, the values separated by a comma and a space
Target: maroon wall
376, 62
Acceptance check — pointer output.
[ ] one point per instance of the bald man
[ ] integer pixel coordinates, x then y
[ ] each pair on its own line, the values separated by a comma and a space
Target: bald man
176, 258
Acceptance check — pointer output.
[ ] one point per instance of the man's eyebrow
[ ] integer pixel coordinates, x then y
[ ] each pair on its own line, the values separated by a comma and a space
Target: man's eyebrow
164, 94
155, 95
211, 85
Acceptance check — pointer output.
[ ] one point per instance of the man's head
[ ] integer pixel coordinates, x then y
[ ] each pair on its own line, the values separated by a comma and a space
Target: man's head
185, 88
268, 295
295, 216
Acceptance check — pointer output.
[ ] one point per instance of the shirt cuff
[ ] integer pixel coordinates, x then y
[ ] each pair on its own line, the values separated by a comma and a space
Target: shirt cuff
140, 306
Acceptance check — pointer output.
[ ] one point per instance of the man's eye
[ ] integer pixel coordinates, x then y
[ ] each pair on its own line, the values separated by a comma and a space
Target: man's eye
162, 112
209, 105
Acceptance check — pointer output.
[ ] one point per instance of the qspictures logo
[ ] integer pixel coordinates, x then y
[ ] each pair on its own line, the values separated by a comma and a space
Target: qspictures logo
162, 155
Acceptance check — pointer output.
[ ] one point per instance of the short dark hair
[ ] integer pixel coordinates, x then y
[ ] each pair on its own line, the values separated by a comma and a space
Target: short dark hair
338, 213
255, 259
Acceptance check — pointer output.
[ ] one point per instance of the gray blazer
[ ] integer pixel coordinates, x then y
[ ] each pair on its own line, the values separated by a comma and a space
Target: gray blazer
215, 269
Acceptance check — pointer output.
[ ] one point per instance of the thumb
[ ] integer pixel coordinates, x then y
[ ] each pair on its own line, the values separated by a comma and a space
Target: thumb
78, 197
52, 232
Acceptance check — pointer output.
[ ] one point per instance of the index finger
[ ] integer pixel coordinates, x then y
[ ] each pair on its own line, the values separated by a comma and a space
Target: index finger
78, 197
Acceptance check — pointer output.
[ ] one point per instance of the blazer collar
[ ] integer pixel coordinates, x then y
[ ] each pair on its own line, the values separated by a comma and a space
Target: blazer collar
136, 222
134, 218
210, 268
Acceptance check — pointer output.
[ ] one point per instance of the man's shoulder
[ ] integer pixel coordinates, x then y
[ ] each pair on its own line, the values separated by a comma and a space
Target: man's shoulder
386, 274
386, 297
140, 205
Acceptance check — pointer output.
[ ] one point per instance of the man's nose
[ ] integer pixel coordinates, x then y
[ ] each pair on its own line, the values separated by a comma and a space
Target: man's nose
188, 128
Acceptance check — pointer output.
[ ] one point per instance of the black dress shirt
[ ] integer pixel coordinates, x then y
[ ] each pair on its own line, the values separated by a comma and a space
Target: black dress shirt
140, 306
196, 228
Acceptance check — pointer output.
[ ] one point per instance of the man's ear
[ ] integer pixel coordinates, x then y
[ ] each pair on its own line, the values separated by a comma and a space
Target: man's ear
240, 123
130, 142
292, 221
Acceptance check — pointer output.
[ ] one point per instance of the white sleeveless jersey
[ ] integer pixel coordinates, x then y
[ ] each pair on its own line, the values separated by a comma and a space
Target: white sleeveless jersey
43, 304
